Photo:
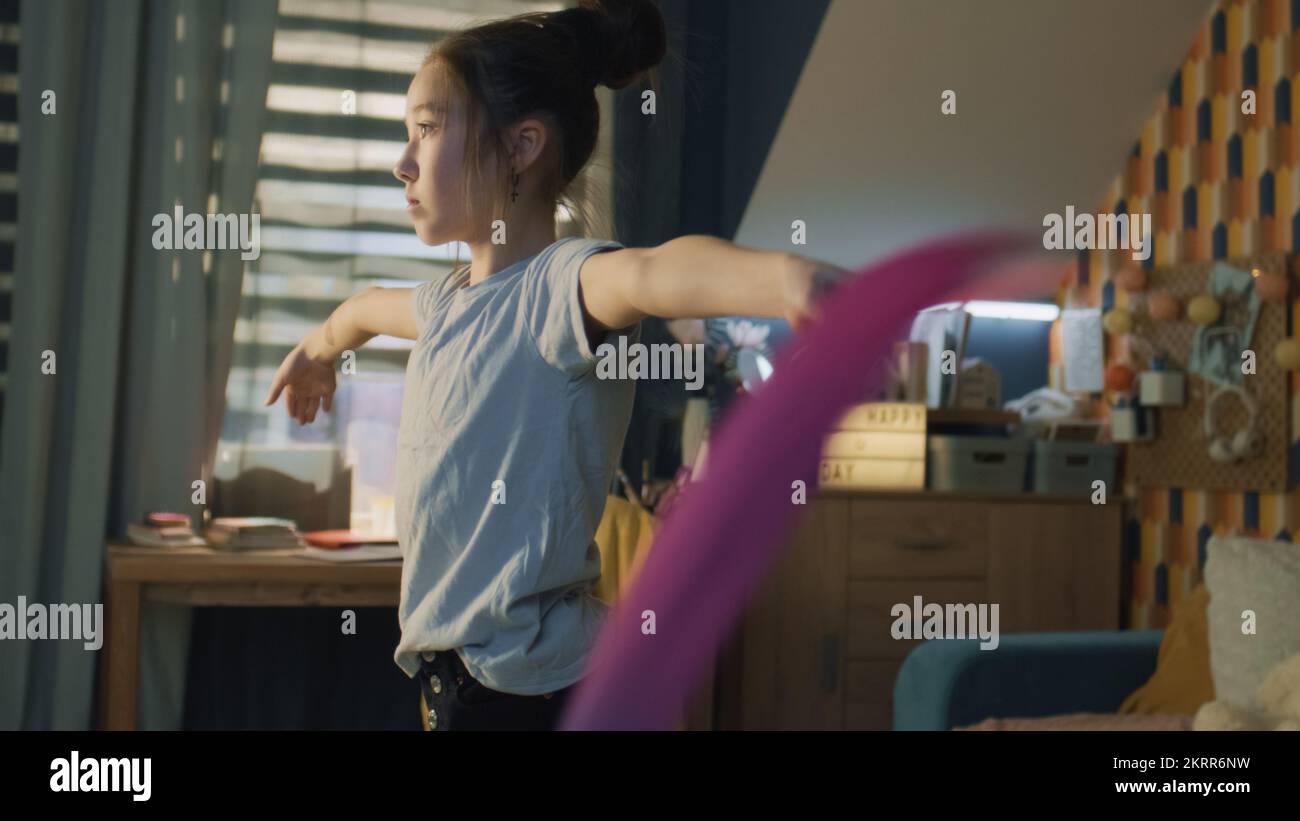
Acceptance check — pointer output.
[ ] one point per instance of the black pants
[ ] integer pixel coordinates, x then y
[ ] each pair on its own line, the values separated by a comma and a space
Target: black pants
452, 699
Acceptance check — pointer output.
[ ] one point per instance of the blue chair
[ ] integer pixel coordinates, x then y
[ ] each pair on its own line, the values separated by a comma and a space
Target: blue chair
952, 682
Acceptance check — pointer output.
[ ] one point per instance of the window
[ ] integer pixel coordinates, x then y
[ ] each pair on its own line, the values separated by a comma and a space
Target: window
333, 223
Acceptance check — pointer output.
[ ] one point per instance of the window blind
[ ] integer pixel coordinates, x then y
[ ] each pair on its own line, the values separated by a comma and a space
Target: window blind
333, 222
333, 217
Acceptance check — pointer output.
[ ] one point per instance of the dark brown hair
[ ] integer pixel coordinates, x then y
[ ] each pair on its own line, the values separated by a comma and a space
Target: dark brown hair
544, 64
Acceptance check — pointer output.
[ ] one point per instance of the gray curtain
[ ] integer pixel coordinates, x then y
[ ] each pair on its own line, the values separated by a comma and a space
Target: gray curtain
157, 104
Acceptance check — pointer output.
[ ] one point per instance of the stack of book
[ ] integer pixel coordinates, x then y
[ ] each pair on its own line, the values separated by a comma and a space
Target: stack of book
253, 533
163, 530
876, 445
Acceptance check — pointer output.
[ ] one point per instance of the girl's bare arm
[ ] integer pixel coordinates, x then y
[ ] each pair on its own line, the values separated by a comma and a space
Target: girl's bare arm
359, 319
701, 276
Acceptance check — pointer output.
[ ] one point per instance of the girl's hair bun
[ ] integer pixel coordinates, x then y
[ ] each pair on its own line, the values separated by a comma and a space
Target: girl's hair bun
618, 40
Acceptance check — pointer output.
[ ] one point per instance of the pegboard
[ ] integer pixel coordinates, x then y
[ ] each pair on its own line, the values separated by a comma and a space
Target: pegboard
1179, 456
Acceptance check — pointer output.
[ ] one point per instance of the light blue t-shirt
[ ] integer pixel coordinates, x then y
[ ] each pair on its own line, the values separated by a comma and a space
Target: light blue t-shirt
502, 404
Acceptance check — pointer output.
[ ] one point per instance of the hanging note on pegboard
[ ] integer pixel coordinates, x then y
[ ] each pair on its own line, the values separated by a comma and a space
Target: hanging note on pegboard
1081, 348
1179, 455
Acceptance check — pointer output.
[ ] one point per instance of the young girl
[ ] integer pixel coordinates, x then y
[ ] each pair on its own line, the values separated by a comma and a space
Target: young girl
508, 439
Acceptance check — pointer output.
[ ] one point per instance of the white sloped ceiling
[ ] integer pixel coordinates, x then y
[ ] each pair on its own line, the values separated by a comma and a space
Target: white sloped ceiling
1051, 97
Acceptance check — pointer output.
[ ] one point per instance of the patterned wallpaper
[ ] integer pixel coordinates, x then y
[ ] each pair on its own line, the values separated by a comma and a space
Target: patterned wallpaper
1218, 183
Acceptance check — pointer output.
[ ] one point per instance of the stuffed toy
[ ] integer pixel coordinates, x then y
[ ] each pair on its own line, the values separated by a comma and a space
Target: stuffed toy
1276, 707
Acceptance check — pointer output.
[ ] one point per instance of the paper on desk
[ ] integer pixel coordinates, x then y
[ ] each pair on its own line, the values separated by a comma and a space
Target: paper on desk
1081, 344
189, 541
361, 553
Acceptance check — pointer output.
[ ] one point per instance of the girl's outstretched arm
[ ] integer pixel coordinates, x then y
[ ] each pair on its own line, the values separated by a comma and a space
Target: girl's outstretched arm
361, 318
306, 376
701, 276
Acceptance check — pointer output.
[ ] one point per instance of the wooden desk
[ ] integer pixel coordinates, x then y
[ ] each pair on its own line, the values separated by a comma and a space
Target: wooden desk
204, 577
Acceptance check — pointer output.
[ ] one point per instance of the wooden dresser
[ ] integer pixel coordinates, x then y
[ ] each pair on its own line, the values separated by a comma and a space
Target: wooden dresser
815, 650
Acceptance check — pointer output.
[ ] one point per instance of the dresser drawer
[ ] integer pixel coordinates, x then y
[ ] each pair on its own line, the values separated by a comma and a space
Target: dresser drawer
870, 617
869, 694
918, 539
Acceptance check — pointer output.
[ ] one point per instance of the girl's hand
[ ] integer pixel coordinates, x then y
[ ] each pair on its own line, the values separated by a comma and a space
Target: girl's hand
691, 332
652, 492
687, 331
805, 285
307, 383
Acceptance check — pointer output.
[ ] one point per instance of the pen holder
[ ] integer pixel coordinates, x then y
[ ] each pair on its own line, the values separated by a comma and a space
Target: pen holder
1131, 423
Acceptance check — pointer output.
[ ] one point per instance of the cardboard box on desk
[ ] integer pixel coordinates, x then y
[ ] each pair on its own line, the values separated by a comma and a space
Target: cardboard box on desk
876, 445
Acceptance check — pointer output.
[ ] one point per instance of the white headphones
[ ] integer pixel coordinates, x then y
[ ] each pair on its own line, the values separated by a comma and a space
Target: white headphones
1243, 444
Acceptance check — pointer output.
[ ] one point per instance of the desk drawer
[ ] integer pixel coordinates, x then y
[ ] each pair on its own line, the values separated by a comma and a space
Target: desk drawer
870, 616
869, 694
918, 539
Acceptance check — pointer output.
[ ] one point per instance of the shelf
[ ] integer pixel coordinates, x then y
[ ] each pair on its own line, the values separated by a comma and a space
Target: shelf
969, 416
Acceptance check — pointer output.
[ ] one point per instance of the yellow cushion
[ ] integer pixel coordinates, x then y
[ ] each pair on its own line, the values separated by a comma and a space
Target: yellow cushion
1182, 681
623, 537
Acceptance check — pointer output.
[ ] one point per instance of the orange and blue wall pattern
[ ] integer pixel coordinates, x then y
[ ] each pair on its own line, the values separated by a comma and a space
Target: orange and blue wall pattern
1218, 183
